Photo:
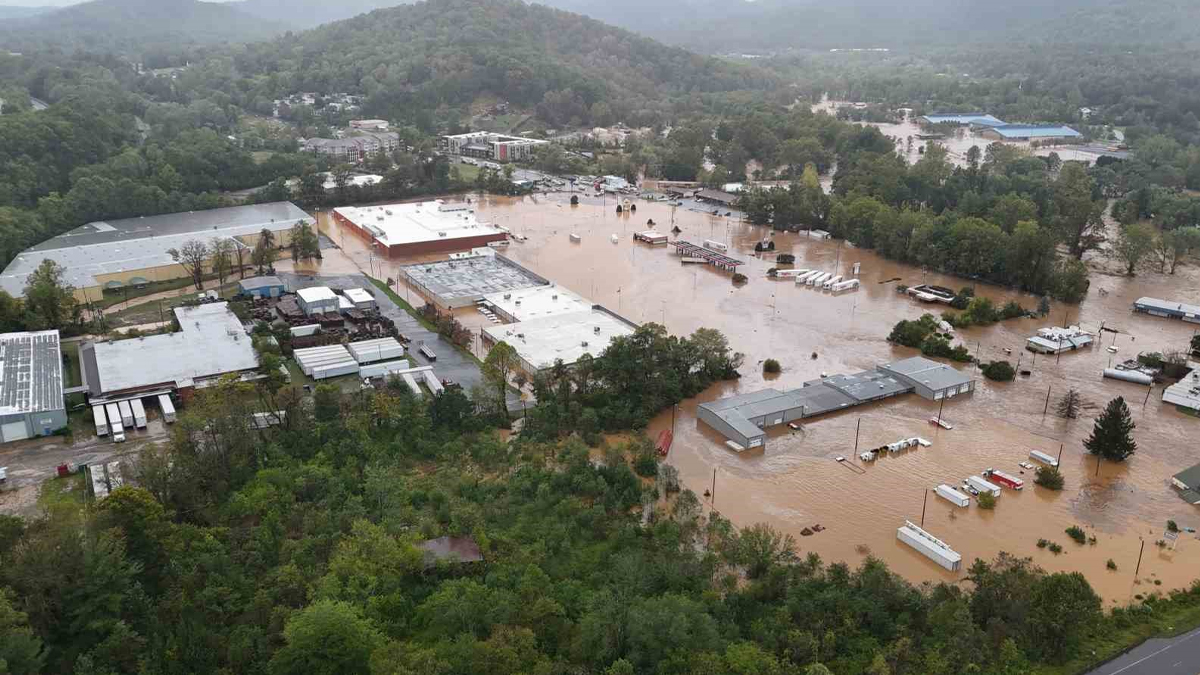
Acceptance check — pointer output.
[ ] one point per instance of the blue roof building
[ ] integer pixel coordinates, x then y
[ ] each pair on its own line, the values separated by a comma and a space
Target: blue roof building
1029, 132
971, 118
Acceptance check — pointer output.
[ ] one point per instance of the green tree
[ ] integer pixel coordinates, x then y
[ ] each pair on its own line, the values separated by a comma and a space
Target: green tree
1062, 608
20, 649
500, 363
1137, 240
191, 257
49, 299
1112, 435
326, 638
264, 254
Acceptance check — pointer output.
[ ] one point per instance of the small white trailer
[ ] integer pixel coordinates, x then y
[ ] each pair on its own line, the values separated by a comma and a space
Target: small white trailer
953, 496
714, 245
1039, 456
126, 414
831, 282
101, 420
168, 408
983, 486
929, 546
819, 279
114, 423
788, 274
139, 413
848, 285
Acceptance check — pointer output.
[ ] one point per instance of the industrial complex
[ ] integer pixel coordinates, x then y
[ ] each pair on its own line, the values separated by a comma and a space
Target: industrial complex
31, 385
420, 228
543, 341
108, 255
998, 130
744, 419
462, 282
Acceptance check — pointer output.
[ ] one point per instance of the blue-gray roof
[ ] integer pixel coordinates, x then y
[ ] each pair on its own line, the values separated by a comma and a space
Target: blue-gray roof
983, 119
1035, 131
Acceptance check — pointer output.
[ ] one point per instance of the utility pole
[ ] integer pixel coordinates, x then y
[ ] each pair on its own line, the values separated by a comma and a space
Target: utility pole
1047, 408
856, 430
940, 407
924, 502
713, 496
1139, 562
1148, 390
1059, 460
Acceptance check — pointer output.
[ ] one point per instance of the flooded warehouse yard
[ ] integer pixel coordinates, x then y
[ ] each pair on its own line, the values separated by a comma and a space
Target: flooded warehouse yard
794, 482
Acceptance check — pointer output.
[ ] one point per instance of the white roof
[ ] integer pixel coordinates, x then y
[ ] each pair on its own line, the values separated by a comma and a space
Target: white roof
357, 295
540, 342
539, 301
1186, 392
316, 294
211, 341
30, 373
394, 224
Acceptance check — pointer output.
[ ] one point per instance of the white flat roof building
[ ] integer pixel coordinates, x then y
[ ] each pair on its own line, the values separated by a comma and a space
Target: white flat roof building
31, 385
1185, 394
422, 227
211, 342
317, 299
536, 302
360, 297
542, 341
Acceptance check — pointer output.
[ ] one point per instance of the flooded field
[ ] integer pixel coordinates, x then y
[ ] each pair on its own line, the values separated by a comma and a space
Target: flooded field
794, 482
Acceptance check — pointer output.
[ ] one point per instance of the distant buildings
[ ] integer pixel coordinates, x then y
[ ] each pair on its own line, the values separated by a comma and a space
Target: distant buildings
999, 130
110, 255
369, 125
424, 227
31, 385
961, 119
354, 148
487, 145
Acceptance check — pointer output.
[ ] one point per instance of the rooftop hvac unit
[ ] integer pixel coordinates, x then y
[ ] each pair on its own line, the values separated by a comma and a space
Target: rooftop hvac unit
441, 234
554, 297
521, 335
585, 343
508, 296
518, 302
389, 212
596, 330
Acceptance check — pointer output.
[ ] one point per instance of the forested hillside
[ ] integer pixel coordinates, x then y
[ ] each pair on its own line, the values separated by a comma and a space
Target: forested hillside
311, 13
776, 25
131, 26
300, 550
411, 60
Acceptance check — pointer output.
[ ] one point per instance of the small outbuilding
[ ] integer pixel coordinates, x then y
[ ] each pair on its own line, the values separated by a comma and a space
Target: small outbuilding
262, 287
1188, 484
361, 298
317, 300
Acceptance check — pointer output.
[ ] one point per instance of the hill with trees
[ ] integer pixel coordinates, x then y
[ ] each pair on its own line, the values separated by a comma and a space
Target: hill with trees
412, 60
775, 25
306, 14
129, 26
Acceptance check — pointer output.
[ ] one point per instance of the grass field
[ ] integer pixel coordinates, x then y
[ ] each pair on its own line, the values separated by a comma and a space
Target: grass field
71, 375
66, 492
158, 310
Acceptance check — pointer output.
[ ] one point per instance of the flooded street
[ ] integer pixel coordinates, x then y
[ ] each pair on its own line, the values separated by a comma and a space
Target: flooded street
794, 482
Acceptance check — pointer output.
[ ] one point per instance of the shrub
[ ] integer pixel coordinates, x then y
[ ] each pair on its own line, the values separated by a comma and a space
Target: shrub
1043, 543
574, 200
1000, 371
986, 501
1111, 565
739, 278
771, 367
1049, 477
773, 272
645, 464
1076, 533
1172, 526
1055, 548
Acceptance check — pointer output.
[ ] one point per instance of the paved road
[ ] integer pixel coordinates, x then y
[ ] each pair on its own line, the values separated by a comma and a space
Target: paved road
451, 363
1171, 656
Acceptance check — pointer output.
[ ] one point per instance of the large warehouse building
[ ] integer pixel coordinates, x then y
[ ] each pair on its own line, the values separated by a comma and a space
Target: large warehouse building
211, 343
108, 255
31, 385
744, 419
542, 341
462, 282
420, 228
487, 145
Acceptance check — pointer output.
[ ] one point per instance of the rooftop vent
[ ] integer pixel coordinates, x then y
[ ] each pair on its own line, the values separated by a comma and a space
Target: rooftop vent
596, 330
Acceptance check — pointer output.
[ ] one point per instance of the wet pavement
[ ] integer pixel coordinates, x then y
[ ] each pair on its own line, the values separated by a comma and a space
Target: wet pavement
794, 483
1170, 656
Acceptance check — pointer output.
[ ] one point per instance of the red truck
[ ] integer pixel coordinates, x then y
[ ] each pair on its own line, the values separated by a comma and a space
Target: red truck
1004, 479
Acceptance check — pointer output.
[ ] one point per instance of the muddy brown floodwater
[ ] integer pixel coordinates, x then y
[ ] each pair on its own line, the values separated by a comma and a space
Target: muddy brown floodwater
794, 482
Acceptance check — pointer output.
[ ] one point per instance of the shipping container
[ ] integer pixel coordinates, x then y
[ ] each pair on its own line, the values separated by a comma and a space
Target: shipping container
412, 384
930, 546
431, 381
788, 274
167, 407
847, 285
819, 279
139, 413
370, 351
983, 486
831, 282
1004, 479
953, 496
101, 420
305, 331
126, 414
714, 245
385, 369
1039, 456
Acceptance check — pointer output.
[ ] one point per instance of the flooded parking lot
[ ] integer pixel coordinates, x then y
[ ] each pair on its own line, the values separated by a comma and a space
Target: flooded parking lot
794, 482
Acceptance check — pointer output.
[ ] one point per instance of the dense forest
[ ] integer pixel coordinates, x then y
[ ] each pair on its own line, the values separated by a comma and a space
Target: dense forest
301, 550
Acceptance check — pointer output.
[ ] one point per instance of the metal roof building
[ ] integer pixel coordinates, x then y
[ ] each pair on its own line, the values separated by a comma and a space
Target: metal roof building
211, 342
542, 341
461, 283
1168, 309
31, 385
262, 287
744, 418
111, 254
1029, 132
1188, 484
1185, 394
976, 118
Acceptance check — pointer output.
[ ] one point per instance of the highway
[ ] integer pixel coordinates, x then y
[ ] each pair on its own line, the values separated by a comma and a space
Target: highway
1170, 656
